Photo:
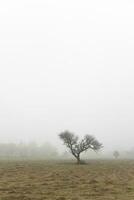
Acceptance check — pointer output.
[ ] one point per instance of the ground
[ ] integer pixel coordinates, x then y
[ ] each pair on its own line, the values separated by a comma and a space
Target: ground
40, 180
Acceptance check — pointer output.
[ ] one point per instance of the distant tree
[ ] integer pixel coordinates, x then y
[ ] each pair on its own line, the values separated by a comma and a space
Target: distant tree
77, 147
116, 154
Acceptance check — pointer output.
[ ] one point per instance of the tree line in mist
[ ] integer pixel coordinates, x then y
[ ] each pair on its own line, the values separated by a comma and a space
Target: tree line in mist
49, 151
31, 150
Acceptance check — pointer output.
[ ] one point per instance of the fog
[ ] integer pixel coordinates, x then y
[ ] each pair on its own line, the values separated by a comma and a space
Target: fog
67, 65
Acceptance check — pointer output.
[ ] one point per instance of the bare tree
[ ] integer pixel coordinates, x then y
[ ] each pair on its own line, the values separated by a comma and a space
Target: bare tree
77, 147
116, 154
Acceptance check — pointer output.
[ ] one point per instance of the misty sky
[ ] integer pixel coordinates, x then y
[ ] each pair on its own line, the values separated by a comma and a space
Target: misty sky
67, 65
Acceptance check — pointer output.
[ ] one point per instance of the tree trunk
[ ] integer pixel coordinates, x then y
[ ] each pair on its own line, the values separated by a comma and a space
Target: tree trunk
78, 159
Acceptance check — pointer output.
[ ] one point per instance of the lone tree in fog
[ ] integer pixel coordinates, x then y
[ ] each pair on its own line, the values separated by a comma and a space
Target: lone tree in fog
116, 154
77, 147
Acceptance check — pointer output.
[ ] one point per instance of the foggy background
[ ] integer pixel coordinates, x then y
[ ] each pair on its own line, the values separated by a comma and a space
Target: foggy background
67, 65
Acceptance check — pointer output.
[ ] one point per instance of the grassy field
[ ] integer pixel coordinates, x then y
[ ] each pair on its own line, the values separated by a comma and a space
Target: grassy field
39, 180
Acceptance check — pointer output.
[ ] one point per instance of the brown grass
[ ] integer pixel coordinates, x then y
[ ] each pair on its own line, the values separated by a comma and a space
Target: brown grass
40, 180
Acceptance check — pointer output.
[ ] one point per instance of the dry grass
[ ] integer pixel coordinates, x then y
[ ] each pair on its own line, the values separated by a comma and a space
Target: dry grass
40, 180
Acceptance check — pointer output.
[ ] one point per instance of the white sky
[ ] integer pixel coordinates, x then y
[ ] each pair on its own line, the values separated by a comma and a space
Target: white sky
67, 65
